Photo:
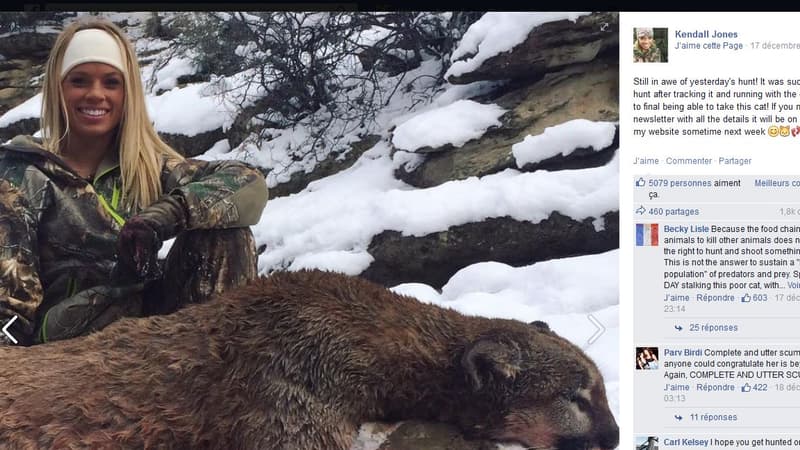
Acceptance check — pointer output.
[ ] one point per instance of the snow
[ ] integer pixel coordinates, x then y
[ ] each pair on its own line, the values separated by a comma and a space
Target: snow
563, 139
453, 124
330, 224
548, 287
349, 262
29, 109
189, 111
420, 291
275, 153
498, 32
216, 151
167, 76
455, 92
344, 211
371, 435
373, 35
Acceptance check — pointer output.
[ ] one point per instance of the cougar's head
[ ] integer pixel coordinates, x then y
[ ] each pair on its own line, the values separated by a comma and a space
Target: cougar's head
545, 392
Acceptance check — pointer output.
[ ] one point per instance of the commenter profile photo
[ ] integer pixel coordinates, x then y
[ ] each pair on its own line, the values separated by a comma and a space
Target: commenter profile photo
646, 443
650, 44
646, 358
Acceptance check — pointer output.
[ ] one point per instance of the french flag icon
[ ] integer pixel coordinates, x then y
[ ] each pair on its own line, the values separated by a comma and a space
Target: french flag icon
646, 234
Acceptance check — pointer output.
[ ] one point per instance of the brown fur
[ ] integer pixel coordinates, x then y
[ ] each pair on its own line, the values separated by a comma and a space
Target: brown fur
298, 361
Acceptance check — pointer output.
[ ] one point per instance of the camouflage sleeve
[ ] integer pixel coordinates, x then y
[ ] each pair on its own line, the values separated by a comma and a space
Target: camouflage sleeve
217, 194
638, 56
20, 288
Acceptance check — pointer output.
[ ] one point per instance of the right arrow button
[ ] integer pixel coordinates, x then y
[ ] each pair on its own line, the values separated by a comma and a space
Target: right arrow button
600, 329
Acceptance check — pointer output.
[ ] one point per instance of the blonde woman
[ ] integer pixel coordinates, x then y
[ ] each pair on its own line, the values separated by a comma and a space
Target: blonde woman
644, 48
85, 209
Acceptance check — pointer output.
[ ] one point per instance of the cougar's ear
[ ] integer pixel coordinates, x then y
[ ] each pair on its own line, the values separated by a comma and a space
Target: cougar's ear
486, 356
540, 325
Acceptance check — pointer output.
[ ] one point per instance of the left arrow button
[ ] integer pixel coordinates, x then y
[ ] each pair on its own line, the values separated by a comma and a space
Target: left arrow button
7, 333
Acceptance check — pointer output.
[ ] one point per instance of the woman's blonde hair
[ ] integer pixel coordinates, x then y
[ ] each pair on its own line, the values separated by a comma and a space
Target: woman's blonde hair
141, 150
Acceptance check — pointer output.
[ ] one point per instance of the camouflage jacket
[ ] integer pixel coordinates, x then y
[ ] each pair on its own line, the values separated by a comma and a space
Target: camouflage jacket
58, 231
652, 55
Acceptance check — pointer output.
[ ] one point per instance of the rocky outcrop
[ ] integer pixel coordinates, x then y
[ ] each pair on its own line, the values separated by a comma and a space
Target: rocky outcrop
193, 145
434, 258
580, 158
25, 126
27, 45
563, 71
551, 46
24, 55
588, 91
329, 166
576, 76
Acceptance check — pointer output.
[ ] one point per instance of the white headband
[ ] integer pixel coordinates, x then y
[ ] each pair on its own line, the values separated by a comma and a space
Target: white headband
92, 45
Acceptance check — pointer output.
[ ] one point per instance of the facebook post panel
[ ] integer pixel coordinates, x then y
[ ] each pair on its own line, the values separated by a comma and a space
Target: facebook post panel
711, 250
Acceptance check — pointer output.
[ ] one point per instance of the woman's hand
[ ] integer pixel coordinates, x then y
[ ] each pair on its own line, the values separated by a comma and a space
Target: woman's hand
137, 248
142, 235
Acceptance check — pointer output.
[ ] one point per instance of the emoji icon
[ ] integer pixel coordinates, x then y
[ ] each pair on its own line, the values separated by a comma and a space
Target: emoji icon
795, 130
772, 131
784, 130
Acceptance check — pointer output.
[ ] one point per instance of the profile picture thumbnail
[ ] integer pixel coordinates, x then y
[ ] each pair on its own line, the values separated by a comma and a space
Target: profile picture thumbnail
646, 358
646, 443
650, 45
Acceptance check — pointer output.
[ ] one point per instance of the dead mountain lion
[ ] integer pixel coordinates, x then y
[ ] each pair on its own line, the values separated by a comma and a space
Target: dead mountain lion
298, 361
